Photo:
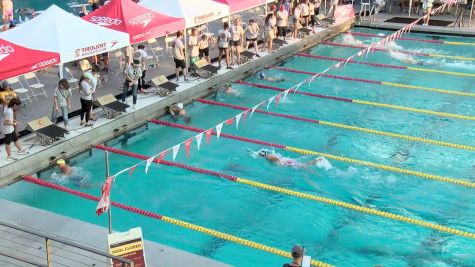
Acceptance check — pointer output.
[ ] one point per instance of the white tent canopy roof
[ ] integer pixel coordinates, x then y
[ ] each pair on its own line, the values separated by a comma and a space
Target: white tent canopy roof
193, 13
56, 30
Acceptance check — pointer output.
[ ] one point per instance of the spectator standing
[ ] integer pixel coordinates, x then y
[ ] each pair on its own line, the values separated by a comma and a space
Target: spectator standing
141, 55
133, 74
7, 14
252, 32
9, 128
62, 100
311, 10
297, 256
427, 7
282, 22
203, 45
305, 12
193, 46
85, 93
317, 4
224, 36
179, 56
129, 55
237, 38
296, 20
333, 5
269, 31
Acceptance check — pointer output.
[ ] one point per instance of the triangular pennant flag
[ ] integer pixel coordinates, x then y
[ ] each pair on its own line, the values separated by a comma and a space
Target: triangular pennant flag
245, 115
252, 110
162, 155
277, 98
147, 165
337, 65
230, 121
208, 135
360, 53
132, 169
238, 118
198, 140
270, 101
175, 151
219, 127
188, 146
104, 202
286, 92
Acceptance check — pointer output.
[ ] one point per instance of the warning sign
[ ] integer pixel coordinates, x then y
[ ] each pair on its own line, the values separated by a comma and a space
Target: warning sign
128, 245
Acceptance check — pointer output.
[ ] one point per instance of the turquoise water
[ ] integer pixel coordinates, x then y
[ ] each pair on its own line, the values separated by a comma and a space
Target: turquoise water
331, 234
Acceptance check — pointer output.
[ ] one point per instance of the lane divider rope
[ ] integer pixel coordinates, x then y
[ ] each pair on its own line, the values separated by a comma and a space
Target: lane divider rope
298, 194
412, 39
399, 85
400, 51
170, 220
461, 74
344, 126
456, 181
363, 102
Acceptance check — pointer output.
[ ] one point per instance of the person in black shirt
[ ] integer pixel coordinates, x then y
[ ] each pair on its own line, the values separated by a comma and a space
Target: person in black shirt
297, 255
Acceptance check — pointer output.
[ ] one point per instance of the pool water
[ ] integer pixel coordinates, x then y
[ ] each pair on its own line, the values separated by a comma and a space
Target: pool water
331, 234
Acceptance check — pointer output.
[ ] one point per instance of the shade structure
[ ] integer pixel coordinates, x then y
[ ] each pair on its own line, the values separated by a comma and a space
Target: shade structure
194, 12
16, 60
139, 22
58, 31
241, 5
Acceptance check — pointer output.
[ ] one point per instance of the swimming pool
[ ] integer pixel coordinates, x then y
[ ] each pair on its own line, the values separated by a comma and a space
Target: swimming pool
331, 234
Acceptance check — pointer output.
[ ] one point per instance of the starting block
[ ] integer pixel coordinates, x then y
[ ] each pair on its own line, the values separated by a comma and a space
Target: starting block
46, 131
162, 82
205, 70
111, 106
278, 43
304, 32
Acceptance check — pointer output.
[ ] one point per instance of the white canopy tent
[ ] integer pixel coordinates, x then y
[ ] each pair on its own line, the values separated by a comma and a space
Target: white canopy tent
56, 30
193, 12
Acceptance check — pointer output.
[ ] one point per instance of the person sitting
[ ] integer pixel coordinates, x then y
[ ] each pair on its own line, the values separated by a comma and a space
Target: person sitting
64, 168
6, 93
9, 128
178, 110
297, 256
262, 76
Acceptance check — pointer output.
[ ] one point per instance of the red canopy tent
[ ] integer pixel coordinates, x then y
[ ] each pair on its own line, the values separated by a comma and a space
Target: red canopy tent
241, 5
138, 21
16, 60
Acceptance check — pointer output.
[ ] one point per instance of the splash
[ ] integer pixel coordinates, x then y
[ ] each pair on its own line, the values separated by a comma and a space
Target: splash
349, 39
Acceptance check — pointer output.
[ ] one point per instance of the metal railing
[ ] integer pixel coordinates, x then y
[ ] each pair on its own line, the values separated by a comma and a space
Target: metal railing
21, 246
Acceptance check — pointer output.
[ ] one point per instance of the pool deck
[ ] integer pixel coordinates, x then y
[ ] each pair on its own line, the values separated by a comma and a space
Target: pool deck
148, 107
91, 235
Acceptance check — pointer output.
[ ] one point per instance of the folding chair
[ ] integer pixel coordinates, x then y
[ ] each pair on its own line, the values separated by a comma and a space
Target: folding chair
20, 90
34, 84
156, 48
71, 79
365, 7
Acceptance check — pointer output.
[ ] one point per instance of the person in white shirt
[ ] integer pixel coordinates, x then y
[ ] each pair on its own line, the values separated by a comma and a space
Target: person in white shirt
282, 21
311, 10
203, 45
305, 12
296, 19
331, 11
179, 56
141, 49
237, 38
9, 128
269, 31
427, 7
85, 92
62, 101
224, 36
252, 32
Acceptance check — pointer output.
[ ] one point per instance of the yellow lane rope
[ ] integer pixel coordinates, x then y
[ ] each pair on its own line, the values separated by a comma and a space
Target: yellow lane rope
371, 211
451, 57
383, 167
417, 110
238, 240
461, 74
431, 89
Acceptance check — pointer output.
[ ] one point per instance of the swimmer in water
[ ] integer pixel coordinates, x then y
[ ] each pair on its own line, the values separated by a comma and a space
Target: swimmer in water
262, 76
282, 161
405, 58
227, 89
64, 168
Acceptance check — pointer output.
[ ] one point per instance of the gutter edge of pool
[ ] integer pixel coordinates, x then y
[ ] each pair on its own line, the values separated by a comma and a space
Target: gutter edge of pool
158, 255
129, 121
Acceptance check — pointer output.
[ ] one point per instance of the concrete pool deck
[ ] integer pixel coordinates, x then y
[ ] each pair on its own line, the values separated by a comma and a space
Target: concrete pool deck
148, 107
93, 236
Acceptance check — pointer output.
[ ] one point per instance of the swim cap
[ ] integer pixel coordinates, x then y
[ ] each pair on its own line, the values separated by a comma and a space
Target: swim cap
262, 153
60, 162
262, 75
180, 105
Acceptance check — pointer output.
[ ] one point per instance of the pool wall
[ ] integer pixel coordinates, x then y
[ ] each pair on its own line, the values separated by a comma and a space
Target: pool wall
71, 146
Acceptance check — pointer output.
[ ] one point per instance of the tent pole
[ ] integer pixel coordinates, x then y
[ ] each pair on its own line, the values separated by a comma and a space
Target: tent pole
410, 7
471, 13
187, 62
61, 70
265, 9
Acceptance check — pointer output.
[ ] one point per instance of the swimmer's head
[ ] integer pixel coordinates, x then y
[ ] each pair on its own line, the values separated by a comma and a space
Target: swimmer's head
262, 153
61, 162
179, 105
262, 75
